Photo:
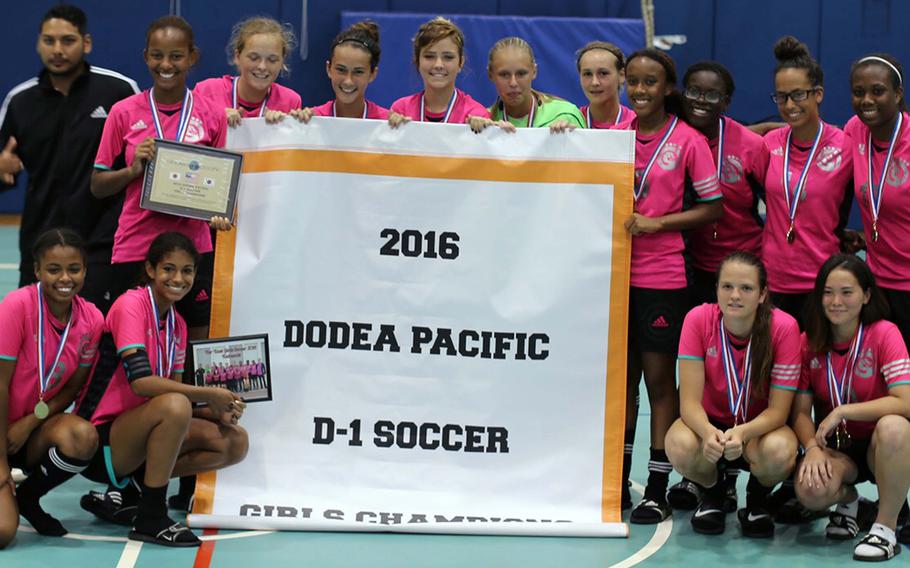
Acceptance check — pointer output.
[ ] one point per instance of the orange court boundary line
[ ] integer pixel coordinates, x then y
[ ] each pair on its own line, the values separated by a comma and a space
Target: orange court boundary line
438, 167
621, 176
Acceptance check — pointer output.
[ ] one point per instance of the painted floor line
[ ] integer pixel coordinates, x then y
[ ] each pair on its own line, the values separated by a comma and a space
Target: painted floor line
660, 537
9, 266
104, 538
130, 554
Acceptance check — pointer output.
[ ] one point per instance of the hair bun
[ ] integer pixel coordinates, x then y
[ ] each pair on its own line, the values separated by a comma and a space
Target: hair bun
367, 27
789, 48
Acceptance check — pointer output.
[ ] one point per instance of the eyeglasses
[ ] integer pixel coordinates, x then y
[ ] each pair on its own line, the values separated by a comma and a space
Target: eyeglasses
711, 97
797, 96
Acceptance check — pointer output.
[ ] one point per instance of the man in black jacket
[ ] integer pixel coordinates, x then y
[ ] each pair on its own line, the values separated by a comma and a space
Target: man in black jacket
50, 126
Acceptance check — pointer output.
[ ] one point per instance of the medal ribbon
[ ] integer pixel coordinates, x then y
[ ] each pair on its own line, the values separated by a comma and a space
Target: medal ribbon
877, 189
335, 114
720, 148
637, 191
793, 199
423, 106
45, 374
170, 337
533, 111
591, 120
235, 101
738, 384
839, 391
186, 112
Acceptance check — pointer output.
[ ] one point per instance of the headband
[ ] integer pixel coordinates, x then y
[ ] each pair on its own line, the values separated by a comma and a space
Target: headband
900, 79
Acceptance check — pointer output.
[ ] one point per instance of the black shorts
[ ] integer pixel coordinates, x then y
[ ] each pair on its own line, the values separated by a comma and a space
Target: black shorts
97, 289
195, 307
793, 304
858, 452
899, 300
655, 318
100, 468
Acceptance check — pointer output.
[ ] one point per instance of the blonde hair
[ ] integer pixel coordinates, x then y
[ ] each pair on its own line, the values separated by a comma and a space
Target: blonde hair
243, 30
435, 30
522, 45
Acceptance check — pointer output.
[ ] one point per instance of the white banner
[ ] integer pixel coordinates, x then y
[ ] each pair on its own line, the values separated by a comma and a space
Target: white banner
447, 319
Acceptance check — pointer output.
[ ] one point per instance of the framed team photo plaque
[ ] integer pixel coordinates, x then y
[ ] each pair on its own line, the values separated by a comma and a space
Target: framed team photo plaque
238, 364
191, 181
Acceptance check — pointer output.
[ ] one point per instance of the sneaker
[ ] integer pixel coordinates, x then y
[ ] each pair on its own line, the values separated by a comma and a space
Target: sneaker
685, 495
109, 506
756, 522
873, 548
175, 535
650, 512
710, 517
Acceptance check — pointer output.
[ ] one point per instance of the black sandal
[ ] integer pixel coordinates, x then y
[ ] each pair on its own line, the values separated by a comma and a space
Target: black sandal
888, 550
176, 535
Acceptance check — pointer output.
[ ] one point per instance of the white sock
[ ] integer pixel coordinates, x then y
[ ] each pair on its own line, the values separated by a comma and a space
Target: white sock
884, 532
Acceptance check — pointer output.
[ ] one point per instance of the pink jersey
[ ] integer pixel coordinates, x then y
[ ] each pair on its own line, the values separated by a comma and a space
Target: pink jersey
657, 258
889, 256
464, 107
883, 363
130, 323
792, 267
19, 343
129, 123
740, 228
220, 91
623, 119
700, 340
374, 111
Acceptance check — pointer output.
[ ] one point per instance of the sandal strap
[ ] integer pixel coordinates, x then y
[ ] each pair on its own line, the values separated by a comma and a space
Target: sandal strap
875, 541
173, 532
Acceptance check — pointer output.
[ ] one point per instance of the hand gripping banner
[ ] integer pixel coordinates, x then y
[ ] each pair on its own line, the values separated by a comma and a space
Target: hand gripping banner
447, 316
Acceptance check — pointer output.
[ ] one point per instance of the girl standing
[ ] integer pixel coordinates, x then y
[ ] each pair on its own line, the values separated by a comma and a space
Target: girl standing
808, 181
258, 48
512, 69
670, 157
601, 73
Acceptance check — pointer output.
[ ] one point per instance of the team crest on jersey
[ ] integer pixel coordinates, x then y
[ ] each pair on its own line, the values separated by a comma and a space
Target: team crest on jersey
814, 364
711, 351
195, 130
862, 148
829, 159
59, 371
669, 156
732, 171
865, 365
898, 172
86, 349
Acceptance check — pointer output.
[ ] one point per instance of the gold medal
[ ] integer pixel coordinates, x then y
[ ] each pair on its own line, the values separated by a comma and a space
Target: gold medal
42, 410
874, 232
842, 438
791, 234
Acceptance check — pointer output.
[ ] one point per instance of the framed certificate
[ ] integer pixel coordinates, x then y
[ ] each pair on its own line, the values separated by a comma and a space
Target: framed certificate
238, 364
191, 181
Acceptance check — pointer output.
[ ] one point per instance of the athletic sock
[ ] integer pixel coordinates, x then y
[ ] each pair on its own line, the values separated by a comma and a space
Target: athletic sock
151, 516
628, 446
187, 486
884, 532
659, 469
732, 475
756, 494
53, 470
